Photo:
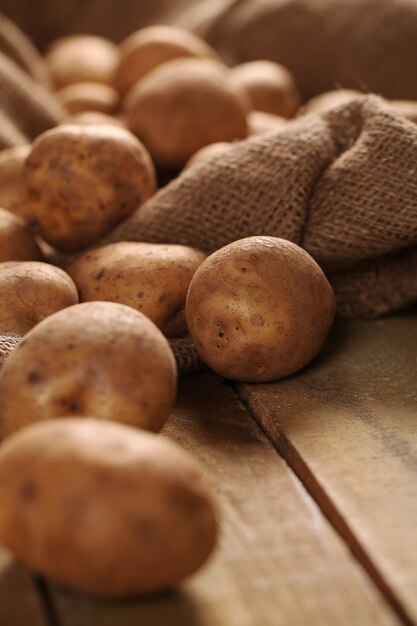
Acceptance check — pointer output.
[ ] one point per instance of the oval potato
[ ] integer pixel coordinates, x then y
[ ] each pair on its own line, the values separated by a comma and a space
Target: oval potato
80, 97
104, 509
11, 180
17, 242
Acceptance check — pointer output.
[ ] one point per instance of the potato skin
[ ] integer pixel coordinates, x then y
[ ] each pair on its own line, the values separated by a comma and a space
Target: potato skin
81, 58
11, 179
217, 149
16, 240
80, 97
80, 181
97, 358
261, 123
31, 292
182, 106
102, 508
152, 278
259, 309
149, 47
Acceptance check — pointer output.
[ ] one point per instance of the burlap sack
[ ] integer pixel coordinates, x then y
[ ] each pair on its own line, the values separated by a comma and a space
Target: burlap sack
365, 44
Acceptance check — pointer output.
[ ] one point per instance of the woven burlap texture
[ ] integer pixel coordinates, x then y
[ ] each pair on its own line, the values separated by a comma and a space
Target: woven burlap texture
342, 184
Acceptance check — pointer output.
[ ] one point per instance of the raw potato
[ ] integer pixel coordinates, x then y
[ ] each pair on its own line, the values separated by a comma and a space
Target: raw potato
11, 179
271, 87
82, 58
94, 117
408, 108
152, 278
259, 309
329, 100
80, 97
260, 123
104, 509
217, 149
149, 47
16, 240
182, 106
97, 358
80, 181
30, 292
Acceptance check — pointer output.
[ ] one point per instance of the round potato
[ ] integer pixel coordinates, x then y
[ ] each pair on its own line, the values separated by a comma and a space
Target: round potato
182, 106
260, 123
97, 358
270, 86
152, 278
30, 292
149, 47
16, 240
80, 97
408, 108
329, 100
94, 117
259, 309
82, 58
11, 179
217, 149
104, 509
80, 181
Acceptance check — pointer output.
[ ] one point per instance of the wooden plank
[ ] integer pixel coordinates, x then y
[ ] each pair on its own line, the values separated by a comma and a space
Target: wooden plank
20, 603
279, 561
348, 426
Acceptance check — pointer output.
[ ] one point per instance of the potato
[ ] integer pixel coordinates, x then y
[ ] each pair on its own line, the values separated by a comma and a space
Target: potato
408, 108
31, 291
97, 358
217, 149
259, 309
16, 240
104, 509
260, 123
152, 278
329, 100
80, 181
11, 178
94, 117
149, 47
182, 106
80, 97
82, 58
271, 87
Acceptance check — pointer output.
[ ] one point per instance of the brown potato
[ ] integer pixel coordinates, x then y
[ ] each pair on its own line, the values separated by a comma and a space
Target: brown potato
30, 292
80, 97
407, 108
260, 123
270, 86
97, 358
94, 117
182, 106
104, 509
149, 47
329, 100
11, 178
217, 149
16, 240
152, 278
259, 309
82, 58
80, 181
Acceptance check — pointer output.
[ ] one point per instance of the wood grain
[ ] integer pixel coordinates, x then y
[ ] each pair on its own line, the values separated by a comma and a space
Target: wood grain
347, 425
20, 604
279, 562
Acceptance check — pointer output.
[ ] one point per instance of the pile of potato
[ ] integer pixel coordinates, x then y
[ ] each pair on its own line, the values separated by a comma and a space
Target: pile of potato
101, 506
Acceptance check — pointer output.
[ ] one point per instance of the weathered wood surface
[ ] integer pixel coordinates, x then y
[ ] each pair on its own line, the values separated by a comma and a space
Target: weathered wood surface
347, 425
279, 561
20, 603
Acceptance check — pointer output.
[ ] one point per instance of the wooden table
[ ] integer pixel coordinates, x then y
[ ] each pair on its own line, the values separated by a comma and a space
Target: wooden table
316, 477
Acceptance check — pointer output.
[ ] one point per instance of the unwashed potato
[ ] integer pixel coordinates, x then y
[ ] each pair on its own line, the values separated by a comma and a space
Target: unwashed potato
217, 149
408, 108
149, 47
11, 178
97, 358
104, 509
152, 278
182, 106
94, 117
329, 100
82, 58
271, 87
30, 292
260, 123
17, 242
259, 309
80, 97
80, 181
